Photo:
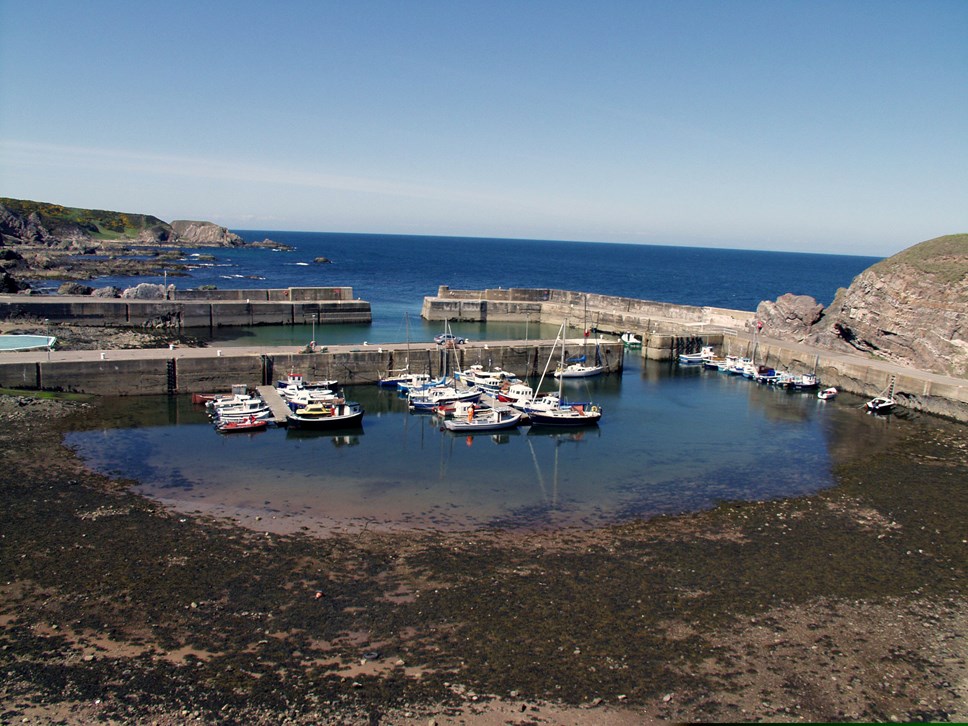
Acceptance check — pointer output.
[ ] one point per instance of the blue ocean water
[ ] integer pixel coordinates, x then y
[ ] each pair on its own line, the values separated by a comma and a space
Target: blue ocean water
672, 438
395, 272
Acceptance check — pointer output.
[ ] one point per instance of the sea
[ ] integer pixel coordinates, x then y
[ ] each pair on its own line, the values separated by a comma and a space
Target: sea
395, 272
672, 438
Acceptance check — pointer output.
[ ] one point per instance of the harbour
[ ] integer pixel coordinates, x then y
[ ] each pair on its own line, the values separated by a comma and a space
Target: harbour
665, 330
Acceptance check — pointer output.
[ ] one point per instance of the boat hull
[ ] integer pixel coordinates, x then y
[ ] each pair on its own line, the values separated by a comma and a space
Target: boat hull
351, 417
566, 417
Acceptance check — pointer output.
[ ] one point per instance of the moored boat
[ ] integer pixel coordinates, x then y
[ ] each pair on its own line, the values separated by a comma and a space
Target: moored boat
490, 380
706, 353
827, 393
250, 423
630, 341
468, 418
327, 416
430, 398
578, 368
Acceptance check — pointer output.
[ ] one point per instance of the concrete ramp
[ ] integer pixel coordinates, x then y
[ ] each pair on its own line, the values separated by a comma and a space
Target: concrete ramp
280, 409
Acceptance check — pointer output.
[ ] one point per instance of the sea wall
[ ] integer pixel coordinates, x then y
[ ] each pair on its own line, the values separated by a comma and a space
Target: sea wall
196, 309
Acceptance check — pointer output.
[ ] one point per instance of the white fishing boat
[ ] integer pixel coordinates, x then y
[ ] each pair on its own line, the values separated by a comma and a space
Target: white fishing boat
827, 393
469, 418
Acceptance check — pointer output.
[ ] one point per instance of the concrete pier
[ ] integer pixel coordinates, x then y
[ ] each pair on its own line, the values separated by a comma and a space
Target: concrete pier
280, 409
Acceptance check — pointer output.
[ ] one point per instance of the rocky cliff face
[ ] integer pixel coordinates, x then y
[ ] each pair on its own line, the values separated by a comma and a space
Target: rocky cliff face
204, 234
910, 309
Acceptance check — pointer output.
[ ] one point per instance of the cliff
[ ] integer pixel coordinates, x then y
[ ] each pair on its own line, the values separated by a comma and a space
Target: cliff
910, 309
25, 222
44, 240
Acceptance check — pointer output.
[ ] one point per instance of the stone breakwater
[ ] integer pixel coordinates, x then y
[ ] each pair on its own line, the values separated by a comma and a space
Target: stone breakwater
196, 308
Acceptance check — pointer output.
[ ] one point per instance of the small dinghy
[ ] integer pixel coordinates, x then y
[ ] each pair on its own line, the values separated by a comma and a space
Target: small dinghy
826, 394
249, 424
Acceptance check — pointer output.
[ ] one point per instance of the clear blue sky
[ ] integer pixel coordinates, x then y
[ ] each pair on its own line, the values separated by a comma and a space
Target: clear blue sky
813, 126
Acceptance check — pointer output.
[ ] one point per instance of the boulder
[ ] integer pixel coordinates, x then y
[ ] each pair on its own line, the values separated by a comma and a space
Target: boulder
74, 288
144, 291
790, 317
323, 261
109, 292
9, 284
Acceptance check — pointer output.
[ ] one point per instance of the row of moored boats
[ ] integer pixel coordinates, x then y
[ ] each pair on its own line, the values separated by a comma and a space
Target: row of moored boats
312, 405
739, 366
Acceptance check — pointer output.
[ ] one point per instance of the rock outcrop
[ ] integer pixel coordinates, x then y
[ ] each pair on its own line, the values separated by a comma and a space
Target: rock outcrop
790, 317
191, 233
910, 309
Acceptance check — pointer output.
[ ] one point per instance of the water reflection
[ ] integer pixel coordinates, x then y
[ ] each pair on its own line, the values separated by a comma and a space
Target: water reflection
671, 440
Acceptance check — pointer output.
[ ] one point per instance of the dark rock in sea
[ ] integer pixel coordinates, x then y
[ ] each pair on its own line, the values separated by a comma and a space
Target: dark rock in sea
271, 245
204, 233
323, 261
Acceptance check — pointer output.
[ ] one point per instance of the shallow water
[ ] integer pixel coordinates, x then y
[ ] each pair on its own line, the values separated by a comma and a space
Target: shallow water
672, 440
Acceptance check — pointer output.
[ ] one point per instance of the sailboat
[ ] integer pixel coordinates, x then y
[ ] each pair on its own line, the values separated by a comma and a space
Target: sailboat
578, 367
884, 402
561, 413
392, 378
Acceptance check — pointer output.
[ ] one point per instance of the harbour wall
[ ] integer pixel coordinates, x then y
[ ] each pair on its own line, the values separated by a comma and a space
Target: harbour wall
159, 371
667, 329
604, 313
196, 309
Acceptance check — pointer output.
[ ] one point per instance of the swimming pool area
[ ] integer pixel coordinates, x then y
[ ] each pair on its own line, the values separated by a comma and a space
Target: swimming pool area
26, 342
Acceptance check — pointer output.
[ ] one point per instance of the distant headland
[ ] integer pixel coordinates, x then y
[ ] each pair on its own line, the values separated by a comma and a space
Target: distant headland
46, 240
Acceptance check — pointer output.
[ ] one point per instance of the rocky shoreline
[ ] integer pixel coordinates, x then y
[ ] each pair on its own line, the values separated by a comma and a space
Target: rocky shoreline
848, 605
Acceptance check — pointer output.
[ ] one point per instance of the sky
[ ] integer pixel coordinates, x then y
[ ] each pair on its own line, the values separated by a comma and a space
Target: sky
811, 126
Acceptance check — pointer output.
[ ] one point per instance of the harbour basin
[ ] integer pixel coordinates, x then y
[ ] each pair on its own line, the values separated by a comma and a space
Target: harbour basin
672, 439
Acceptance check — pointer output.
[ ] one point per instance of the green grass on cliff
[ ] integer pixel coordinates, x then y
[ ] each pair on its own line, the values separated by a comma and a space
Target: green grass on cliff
944, 258
99, 223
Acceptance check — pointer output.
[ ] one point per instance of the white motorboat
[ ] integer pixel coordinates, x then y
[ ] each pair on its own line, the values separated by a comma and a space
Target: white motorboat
429, 399
827, 393
630, 341
490, 380
705, 353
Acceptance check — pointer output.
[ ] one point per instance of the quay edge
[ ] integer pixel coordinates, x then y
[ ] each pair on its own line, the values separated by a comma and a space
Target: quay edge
195, 370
